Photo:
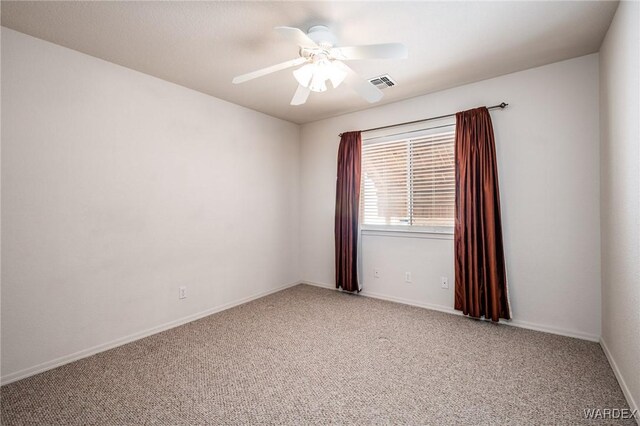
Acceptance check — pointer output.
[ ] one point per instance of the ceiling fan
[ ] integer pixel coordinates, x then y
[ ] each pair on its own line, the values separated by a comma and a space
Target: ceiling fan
324, 61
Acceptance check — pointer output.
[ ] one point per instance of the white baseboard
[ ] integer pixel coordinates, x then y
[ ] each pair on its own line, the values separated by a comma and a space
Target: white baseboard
48, 365
623, 385
323, 285
554, 330
450, 310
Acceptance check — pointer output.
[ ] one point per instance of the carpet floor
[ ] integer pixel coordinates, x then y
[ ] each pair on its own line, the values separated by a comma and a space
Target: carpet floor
310, 355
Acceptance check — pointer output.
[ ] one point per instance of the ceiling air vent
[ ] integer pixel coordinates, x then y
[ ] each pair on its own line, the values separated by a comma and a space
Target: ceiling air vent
382, 82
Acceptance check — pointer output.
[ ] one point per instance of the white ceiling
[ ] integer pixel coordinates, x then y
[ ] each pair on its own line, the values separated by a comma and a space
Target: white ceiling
203, 45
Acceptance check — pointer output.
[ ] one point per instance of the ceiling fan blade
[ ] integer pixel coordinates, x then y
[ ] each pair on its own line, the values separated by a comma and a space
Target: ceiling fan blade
301, 95
296, 35
371, 51
361, 86
268, 70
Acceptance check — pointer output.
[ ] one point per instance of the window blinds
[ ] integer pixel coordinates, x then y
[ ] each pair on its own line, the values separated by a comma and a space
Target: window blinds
409, 183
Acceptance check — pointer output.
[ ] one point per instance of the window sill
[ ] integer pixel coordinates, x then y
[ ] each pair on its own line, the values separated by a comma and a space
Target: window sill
445, 234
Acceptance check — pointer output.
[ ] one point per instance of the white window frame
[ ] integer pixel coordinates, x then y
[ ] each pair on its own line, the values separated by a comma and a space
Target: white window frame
408, 231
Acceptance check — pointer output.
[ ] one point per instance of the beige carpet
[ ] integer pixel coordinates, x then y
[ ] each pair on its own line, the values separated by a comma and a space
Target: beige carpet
310, 355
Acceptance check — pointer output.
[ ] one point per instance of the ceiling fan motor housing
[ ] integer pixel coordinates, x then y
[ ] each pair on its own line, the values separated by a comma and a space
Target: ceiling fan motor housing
322, 36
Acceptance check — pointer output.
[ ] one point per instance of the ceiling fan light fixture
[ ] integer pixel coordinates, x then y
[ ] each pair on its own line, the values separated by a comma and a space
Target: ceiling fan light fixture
304, 74
315, 75
318, 82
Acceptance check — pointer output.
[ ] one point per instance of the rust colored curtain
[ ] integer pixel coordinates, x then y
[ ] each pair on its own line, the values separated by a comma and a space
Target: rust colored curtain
480, 271
347, 211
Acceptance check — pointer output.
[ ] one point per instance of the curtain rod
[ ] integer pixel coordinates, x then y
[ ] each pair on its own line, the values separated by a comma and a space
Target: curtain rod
501, 106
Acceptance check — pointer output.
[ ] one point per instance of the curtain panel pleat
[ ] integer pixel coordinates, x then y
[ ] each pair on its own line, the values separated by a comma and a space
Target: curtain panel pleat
348, 211
480, 270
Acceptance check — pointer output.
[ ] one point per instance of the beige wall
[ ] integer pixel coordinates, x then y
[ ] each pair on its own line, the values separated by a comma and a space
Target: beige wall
117, 188
548, 157
620, 189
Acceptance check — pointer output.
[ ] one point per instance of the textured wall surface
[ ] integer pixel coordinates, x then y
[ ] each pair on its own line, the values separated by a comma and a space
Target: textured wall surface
118, 188
620, 188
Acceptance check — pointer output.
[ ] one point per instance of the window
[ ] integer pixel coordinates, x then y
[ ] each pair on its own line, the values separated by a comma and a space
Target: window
409, 184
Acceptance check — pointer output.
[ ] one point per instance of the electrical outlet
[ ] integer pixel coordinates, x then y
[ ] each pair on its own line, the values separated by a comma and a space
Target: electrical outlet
444, 282
182, 292
376, 273
407, 277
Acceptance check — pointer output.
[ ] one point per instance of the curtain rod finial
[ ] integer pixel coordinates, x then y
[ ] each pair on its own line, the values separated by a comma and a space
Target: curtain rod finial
502, 105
